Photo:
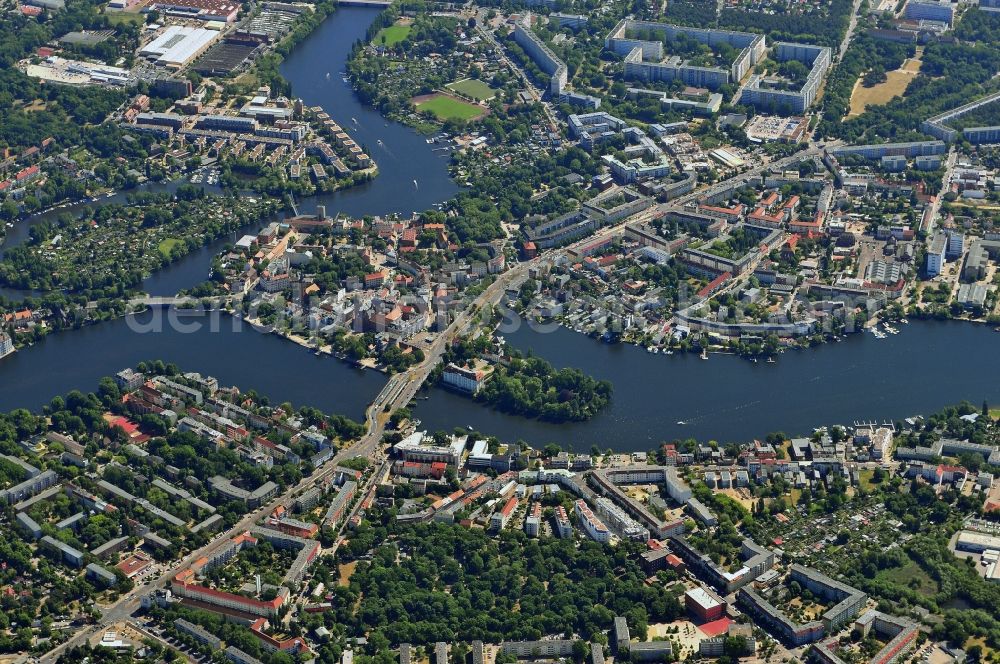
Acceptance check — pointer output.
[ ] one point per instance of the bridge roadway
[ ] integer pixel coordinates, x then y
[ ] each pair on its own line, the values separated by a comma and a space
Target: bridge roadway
167, 301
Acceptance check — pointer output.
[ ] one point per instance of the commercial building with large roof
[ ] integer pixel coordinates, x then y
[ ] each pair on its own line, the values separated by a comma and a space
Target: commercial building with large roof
976, 542
205, 10
177, 46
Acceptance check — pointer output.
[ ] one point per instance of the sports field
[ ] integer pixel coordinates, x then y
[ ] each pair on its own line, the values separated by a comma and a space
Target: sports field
472, 88
445, 107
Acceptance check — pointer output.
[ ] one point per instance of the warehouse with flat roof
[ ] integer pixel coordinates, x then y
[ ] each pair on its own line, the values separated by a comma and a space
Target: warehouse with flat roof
178, 45
976, 542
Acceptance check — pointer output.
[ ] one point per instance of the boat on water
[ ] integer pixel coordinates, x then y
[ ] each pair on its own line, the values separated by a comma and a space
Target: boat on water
770, 360
681, 423
328, 76
415, 185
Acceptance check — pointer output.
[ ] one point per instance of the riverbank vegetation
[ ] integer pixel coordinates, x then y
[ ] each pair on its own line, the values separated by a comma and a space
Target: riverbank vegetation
402, 62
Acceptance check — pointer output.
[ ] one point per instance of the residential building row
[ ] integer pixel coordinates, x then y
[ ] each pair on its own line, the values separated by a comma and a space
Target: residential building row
543, 56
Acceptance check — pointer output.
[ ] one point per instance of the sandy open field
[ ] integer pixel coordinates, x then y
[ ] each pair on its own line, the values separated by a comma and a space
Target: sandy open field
894, 86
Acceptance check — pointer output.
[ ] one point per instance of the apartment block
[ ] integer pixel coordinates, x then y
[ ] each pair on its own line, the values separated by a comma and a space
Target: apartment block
591, 525
647, 60
542, 55
533, 522
761, 93
502, 516
29, 487
563, 528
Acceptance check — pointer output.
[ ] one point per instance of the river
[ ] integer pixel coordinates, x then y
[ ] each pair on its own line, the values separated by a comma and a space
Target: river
315, 69
927, 366
214, 344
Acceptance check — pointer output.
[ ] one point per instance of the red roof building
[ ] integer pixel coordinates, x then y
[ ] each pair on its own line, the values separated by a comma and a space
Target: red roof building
714, 285
374, 280
29, 173
294, 645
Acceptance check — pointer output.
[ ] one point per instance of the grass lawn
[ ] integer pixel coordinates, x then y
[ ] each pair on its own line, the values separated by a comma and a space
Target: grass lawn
392, 35
117, 18
979, 641
911, 573
346, 572
786, 447
167, 245
449, 108
865, 479
473, 88
877, 95
426, 128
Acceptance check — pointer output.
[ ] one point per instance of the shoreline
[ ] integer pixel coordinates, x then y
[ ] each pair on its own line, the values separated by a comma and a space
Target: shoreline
791, 343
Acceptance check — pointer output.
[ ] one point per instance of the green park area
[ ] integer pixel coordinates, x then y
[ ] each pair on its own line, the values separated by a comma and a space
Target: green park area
167, 245
910, 575
392, 35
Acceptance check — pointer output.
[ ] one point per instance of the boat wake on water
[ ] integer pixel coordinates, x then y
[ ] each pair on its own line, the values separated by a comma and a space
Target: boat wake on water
715, 413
